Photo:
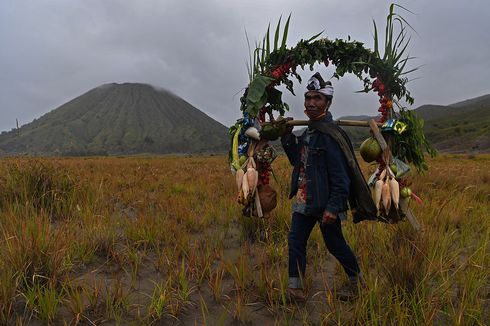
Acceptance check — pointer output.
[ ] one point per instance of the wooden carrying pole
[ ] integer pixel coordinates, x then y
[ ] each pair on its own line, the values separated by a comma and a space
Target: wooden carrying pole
350, 123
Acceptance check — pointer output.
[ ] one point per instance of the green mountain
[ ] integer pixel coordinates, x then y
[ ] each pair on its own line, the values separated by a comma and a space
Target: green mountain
457, 128
115, 119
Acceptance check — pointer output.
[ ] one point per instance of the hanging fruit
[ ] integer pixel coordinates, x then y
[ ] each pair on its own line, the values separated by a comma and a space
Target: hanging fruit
370, 150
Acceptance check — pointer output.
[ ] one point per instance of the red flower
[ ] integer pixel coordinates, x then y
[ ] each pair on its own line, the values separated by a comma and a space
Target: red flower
277, 73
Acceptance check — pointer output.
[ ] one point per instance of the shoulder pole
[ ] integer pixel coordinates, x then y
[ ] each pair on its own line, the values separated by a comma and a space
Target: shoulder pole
350, 123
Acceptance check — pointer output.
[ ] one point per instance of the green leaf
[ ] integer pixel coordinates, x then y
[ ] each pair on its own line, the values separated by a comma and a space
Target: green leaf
257, 95
401, 35
376, 50
250, 64
409, 71
276, 36
285, 34
262, 59
268, 43
399, 55
314, 37
404, 18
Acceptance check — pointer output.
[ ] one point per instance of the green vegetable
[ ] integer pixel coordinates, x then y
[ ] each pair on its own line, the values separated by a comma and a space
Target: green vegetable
412, 143
405, 192
370, 150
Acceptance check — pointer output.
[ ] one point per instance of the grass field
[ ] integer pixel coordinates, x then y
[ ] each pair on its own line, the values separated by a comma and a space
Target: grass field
161, 241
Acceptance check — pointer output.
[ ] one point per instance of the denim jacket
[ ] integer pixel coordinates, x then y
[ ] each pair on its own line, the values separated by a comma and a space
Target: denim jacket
327, 173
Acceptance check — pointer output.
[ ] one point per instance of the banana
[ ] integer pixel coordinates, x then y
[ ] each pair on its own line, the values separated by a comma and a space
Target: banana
234, 150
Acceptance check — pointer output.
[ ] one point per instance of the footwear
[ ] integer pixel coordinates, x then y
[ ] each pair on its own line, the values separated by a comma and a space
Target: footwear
295, 295
350, 290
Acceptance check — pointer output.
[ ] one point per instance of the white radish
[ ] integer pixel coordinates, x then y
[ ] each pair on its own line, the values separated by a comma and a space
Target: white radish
239, 178
245, 187
395, 191
382, 175
378, 186
386, 196
251, 179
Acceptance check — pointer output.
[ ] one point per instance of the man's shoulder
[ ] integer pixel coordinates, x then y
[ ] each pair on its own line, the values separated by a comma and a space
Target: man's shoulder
330, 129
325, 129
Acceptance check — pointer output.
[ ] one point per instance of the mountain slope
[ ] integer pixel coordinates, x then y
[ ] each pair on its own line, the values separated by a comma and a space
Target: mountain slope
459, 127
124, 118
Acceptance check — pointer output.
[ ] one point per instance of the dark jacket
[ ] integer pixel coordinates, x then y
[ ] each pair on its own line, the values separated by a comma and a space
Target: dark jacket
332, 172
327, 175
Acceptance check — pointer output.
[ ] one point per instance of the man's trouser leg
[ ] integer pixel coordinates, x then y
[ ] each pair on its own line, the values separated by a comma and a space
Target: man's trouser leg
338, 247
301, 227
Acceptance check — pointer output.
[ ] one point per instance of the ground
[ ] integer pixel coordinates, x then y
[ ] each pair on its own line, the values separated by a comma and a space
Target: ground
161, 240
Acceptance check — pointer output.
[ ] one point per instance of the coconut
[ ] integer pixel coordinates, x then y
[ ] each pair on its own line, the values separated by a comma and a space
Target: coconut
405, 192
370, 150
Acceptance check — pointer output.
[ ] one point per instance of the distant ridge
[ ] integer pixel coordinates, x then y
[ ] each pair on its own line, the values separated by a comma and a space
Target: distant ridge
114, 119
461, 127
475, 102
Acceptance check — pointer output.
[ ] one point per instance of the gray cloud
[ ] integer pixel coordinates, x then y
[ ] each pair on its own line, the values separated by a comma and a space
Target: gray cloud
53, 50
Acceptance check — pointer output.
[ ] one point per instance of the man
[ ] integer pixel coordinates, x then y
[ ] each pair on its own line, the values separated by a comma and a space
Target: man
321, 182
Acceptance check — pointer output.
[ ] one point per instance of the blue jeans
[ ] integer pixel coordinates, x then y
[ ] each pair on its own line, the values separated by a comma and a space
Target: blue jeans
301, 227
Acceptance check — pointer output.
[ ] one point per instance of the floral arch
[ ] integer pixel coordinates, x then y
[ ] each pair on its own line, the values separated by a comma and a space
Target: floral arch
272, 64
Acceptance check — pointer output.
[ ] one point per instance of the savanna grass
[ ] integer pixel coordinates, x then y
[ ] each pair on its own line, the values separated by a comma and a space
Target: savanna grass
147, 240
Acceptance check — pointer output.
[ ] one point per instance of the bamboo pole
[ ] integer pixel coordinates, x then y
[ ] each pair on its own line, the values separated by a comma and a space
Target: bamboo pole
381, 141
350, 123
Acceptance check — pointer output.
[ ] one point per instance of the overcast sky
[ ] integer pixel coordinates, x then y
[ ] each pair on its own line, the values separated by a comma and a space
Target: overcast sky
55, 50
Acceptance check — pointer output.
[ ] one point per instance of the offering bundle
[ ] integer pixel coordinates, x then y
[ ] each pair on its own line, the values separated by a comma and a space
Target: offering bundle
398, 141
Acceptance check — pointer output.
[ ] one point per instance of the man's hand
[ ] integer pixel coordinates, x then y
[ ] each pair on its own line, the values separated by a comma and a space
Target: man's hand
328, 218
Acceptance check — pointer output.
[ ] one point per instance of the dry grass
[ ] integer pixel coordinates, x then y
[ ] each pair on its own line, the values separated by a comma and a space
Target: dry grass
161, 240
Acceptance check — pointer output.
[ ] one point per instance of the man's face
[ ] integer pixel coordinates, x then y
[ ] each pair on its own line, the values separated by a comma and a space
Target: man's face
315, 103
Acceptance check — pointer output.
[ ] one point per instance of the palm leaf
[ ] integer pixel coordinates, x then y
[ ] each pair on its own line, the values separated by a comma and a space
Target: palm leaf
257, 58
401, 35
399, 55
285, 34
276, 35
376, 48
314, 37
400, 69
409, 71
249, 64
268, 43
387, 32
262, 57
406, 22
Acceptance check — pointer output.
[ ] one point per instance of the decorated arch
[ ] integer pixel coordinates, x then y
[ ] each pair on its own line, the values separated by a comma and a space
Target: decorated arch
262, 108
